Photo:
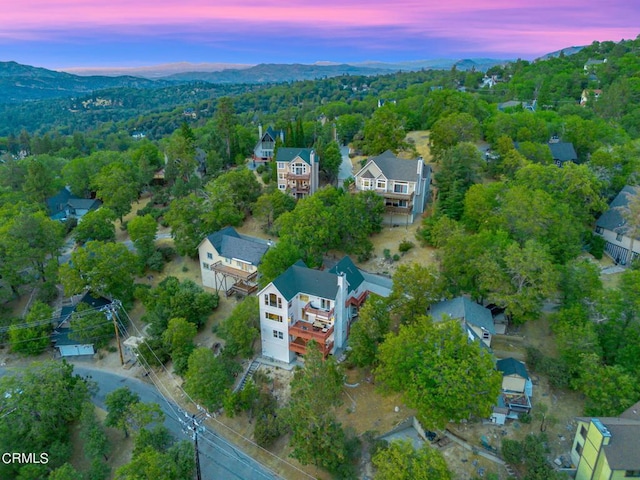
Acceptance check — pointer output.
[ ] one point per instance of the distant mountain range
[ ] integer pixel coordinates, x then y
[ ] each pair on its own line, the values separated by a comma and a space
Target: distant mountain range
20, 83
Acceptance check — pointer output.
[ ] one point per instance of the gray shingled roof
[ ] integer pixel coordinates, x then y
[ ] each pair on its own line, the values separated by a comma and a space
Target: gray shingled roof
230, 244
624, 445
463, 308
353, 274
511, 366
298, 278
563, 151
286, 154
612, 219
394, 168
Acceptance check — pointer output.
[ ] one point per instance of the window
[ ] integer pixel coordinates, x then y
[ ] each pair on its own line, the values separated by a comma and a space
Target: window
632, 474
206, 266
485, 335
583, 432
210, 255
578, 449
281, 166
299, 168
381, 184
282, 186
272, 300
277, 334
325, 304
599, 230
304, 298
366, 183
273, 317
401, 188
282, 176
619, 237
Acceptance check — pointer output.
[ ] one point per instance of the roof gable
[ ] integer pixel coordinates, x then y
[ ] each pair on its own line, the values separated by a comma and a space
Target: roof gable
394, 168
511, 366
230, 244
463, 308
353, 274
299, 278
612, 219
563, 151
288, 154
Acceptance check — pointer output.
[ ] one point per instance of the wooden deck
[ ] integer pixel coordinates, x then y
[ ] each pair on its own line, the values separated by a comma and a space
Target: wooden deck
236, 273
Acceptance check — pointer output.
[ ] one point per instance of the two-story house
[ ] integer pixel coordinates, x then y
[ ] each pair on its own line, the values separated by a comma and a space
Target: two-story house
229, 261
476, 320
608, 448
263, 151
298, 171
620, 244
517, 391
403, 183
304, 304
64, 205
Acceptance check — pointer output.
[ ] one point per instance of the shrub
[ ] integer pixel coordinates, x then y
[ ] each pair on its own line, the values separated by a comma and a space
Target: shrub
260, 169
387, 254
405, 246
396, 257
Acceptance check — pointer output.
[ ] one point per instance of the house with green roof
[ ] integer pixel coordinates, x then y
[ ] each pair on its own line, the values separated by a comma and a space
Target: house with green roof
229, 261
403, 183
298, 171
304, 304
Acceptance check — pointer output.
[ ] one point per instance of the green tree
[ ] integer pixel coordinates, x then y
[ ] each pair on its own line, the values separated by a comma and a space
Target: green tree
270, 205
451, 130
188, 223
520, 280
401, 461
415, 288
225, 119
142, 231
383, 131
277, 259
35, 339
330, 161
369, 331
118, 404
92, 434
64, 472
96, 225
181, 154
105, 268
40, 181
439, 372
90, 326
208, 377
116, 186
176, 464
316, 437
178, 338
44, 400
241, 328
175, 299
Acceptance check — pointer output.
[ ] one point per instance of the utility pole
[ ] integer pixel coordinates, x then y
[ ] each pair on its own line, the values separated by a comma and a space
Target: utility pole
113, 315
194, 427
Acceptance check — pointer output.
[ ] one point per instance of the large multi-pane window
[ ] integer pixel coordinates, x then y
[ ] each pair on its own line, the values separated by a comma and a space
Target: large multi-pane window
272, 300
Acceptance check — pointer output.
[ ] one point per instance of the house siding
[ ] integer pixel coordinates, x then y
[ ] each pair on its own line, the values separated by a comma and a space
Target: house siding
275, 347
618, 250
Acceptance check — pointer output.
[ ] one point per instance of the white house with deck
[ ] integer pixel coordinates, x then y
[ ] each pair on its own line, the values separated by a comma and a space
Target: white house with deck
620, 244
229, 261
298, 171
304, 304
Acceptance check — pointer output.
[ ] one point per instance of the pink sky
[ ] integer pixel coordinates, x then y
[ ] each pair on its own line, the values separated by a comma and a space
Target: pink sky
95, 32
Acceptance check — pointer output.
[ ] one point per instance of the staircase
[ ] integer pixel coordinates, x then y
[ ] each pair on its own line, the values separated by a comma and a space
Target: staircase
247, 375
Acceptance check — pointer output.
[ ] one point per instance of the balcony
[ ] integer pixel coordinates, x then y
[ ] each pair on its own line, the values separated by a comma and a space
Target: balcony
311, 331
299, 345
298, 176
398, 196
357, 301
236, 273
320, 313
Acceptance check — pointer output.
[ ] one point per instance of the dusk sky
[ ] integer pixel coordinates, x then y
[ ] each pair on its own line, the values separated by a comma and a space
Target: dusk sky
80, 33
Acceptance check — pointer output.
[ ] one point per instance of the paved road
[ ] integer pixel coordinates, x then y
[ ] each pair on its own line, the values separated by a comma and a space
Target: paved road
219, 459
346, 167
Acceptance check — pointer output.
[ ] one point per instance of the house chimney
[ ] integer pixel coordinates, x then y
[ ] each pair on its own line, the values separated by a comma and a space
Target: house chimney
260, 131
